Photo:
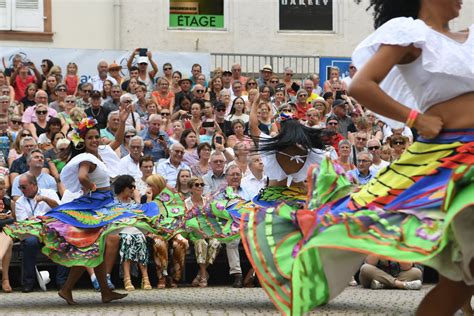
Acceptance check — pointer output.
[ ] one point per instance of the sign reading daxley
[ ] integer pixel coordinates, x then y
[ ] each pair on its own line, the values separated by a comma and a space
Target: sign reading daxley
197, 14
306, 15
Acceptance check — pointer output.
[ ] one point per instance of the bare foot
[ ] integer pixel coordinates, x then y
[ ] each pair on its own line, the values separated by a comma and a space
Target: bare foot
112, 296
67, 296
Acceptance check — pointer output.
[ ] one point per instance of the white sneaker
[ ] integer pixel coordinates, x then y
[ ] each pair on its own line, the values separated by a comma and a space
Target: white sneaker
376, 285
413, 285
352, 282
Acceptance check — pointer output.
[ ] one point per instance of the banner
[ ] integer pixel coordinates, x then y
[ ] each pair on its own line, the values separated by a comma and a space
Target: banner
306, 15
197, 14
325, 64
87, 59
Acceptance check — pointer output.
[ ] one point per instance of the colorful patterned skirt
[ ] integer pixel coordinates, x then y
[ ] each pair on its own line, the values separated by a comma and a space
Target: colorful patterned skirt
419, 209
74, 233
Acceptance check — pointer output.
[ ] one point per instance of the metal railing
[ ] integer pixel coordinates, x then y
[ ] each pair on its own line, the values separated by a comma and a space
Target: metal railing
251, 64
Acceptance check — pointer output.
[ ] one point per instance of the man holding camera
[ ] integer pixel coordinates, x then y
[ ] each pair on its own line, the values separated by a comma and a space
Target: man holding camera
144, 57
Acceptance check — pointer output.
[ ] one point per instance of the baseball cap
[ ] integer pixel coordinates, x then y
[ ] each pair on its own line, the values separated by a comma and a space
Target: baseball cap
226, 72
339, 102
142, 60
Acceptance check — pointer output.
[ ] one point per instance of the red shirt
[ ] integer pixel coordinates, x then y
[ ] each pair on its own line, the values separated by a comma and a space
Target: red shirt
301, 111
20, 86
71, 84
335, 141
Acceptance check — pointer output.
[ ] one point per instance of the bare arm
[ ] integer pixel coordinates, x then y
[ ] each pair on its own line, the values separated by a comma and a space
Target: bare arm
365, 88
253, 118
152, 73
124, 113
83, 176
130, 59
36, 72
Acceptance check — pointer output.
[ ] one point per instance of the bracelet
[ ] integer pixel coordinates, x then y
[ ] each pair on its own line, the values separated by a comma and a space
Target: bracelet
412, 118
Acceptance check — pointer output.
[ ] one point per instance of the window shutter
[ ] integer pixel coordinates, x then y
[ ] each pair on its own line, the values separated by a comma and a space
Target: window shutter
27, 15
5, 14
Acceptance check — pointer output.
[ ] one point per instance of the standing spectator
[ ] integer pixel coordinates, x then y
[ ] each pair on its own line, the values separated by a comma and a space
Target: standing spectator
215, 178
227, 81
21, 78
236, 70
97, 111
156, 141
72, 79
97, 81
170, 167
177, 76
255, 180
346, 82
316, 81
46, 65
35, 201
106, 91
237, 111
85, 90
290, 84
48, 85
333, 79
204, 153
265, 73
237, 90
114, 72
16, 63
168, 72
196, 70
375, 148
362, 174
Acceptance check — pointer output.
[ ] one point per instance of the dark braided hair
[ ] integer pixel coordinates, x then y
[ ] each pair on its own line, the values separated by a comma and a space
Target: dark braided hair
385, 10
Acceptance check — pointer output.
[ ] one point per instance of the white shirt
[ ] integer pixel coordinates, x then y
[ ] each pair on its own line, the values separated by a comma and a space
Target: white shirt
98, 84
130, 167
376, 168
253, 185
169, 171
26, 207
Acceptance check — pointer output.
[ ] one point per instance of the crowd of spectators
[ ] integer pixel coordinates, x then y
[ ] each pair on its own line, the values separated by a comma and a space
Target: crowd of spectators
191, 129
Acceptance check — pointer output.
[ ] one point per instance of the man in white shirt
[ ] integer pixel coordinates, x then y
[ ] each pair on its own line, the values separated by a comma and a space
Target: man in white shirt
346, 81
375, 148
98, 80
130, 164
34, 202
255, 180
170, 167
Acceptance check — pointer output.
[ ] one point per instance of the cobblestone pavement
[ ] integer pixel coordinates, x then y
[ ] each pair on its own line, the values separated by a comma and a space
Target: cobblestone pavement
208, 301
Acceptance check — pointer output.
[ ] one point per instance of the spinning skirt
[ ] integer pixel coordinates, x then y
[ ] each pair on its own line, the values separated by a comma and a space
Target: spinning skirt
418, 209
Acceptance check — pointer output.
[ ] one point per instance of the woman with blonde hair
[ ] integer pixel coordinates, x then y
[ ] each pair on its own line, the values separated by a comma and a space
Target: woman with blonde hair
162, 95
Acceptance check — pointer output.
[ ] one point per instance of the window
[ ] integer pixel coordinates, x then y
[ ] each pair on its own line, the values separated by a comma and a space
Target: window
197, 14
307, 15
25, 20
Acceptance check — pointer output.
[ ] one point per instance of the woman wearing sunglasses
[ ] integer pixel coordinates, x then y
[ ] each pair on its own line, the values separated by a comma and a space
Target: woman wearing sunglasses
39, 127
205, 249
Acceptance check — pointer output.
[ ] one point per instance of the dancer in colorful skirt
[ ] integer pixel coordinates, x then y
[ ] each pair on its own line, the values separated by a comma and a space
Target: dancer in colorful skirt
420, 208
74, 233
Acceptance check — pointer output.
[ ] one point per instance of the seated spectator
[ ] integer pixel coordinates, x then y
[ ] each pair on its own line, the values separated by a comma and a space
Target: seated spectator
377, 273
340, 112
15, 151
156, 141
107, 133
362, 174
53, 126
170, 167
35, 162
314, 119
133, 244
124, 148
255, 180
398, 144
375, 148
345, 155
29, 98
106, 91
57, 159
97, 111
219, 143
162, 95
182, 183
202, 167
6, 218
214, 89
190, 142
332, 125
84, 93
65, 116
195, 123
20, 164
60, 95
239, 136
146, 168
206, 250
113, 103
322, 106
241, 154
130, 164
14, 125
39, 126
215, 178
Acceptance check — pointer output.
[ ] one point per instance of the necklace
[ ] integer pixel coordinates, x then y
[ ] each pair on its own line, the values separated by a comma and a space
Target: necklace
92, 112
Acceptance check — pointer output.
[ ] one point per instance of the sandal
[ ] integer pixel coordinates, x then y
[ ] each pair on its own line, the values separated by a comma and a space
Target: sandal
203, 280
162, 283
6, 286
195, 282
249, 280
128, 284
146, 283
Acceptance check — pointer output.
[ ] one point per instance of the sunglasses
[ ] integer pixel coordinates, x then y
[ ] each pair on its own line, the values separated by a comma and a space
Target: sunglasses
199, 91
332, 123
61, 90
42, 66
143, 63
24, 135
252, 83
399, 143
220, 110
129, 136
291, 75
164, 113
373, 147
70, 101
352, 67
303, 95
16, 122
41, 112
197, 185
87, 91
361, 139
274, 81
167, 68
22, 187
